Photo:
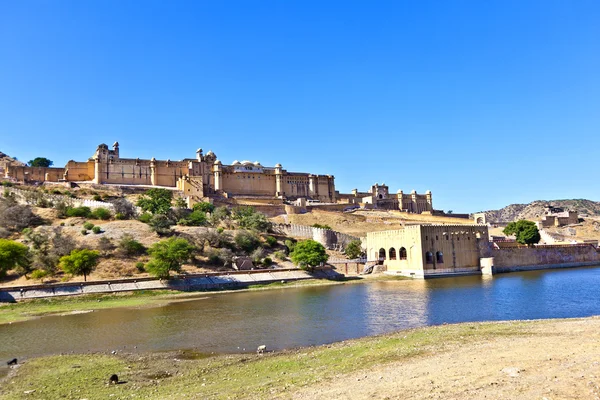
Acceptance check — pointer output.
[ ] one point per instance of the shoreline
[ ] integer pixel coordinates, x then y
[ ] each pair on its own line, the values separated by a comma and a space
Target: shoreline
29, 309
508, 359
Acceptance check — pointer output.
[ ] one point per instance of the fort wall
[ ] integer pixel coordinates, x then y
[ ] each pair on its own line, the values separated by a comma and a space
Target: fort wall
329, 238
515, 259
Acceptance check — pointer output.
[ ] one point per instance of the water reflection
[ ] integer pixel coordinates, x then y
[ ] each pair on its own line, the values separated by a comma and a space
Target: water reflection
308, 316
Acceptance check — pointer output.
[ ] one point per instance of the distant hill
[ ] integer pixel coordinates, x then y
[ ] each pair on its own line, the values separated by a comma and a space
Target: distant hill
535, 210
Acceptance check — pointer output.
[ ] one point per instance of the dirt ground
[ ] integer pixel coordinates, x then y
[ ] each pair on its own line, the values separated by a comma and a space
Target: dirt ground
559, 360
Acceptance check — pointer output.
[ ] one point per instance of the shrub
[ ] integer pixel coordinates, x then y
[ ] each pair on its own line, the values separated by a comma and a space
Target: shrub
267, 262
216, 239
80, 262
7, 184
97, 197
222, 257
15, 217
84, 212
145, 217
39, 274
156, 201
321, 226
84, 232
168, 255
280, 255
97, 230
13, 255
220, 230
140, 266
195, 218
161, 224
120, 216
353, 249
88, 225
105, 245
308, 254
270, 241
130, 247
62, 224
290, 244
247, 241
204, 206
123, 207
219, 214
101, 213
257, 255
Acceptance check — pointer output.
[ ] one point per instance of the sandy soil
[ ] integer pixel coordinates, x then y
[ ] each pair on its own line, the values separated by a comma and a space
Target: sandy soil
559, 360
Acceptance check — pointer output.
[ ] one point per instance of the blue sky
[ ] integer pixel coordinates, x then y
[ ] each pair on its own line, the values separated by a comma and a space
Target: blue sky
485, 103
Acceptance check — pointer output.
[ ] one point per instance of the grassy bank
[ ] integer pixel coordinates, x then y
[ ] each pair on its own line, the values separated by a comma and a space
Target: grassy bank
189, 375
29, 309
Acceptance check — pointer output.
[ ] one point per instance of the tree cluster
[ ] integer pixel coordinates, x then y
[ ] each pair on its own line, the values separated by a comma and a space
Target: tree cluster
526, 232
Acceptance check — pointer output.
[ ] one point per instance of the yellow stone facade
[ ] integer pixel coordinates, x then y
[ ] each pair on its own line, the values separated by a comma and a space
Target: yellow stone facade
199, 177
428, 250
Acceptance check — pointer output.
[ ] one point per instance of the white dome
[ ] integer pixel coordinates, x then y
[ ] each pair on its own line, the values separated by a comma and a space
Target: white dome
236, 162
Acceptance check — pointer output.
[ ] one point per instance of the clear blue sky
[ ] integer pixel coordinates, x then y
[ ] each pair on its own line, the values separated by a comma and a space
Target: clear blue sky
485, 103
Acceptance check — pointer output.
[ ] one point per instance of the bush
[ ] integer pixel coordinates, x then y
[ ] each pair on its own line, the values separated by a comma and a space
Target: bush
13, 255
267, 262
39, 274
280, 255
215, 239
204, 206
105, 245
97, 230
247, 241
321, 226
257, 255
145, 218
270, 241
84, 232
161, 224
195, 218
156, 201
130, 247
88, 225
220, 230
290, 244
101, 213
353, 249
123, 207
168, 255
97, 197
84, 212
140, 266
120, 216
308, 254
222, 257
15, 217
80, 262
219, 214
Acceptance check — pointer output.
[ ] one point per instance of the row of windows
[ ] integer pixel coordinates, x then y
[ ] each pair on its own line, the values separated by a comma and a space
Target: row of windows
447, 237
402, 255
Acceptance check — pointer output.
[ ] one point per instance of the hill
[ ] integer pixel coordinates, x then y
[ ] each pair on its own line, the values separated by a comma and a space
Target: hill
535, 209
6, 159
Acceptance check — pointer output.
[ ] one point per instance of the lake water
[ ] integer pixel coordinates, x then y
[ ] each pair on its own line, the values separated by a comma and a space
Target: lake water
305, 316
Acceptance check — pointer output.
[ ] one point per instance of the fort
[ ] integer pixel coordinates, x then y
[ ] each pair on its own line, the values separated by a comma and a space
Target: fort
207, 177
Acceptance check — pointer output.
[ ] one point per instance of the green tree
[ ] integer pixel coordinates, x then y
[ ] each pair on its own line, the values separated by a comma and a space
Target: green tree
13, 255
168, 255
40, 162
80, 262
353, 249
204, 206
156, 201
308, 254
247, 241
526, 232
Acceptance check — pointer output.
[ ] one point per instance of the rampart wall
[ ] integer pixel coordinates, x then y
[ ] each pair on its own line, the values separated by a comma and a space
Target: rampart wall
329, 238
514, 259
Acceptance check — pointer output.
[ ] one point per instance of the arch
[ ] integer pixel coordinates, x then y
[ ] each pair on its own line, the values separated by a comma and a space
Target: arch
402, 254
479, 221
439, 257
382, 254
429, 258
392, 253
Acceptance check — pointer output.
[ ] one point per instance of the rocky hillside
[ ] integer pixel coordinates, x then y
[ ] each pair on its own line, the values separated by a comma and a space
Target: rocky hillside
535, 210
6, 157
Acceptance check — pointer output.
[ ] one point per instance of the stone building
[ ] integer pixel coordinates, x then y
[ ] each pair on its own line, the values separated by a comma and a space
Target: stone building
429, 250
379, 197
195, 177
555, 216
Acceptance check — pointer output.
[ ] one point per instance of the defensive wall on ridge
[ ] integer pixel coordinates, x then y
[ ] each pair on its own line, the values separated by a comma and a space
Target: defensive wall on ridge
22, 197
329, 238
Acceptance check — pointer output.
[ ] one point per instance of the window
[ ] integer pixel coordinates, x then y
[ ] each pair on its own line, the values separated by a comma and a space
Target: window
402, 253
439, 257
392, 253
436, 237
382, 254
429, 258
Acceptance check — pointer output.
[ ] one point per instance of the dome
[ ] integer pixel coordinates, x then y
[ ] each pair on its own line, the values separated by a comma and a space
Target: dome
218, 162
413, 192
428, 192
399, 191
257, 163
210, 153
236, 162
277, 165
246, 162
